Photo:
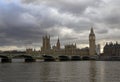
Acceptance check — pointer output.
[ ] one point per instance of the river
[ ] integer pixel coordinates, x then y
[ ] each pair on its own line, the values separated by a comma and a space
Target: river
71, 71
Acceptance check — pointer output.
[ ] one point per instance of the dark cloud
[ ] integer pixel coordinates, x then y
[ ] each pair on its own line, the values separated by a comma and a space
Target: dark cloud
102, 31
67, 6
15, 27
26, 21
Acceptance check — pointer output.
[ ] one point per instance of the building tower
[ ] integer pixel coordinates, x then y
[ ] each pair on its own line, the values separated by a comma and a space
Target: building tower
58, 44
92, 45
46, 43
98, 51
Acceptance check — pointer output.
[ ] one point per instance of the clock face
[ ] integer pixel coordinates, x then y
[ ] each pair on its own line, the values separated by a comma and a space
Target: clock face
92, 37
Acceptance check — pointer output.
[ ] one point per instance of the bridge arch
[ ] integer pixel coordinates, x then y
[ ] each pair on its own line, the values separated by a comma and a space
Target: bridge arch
26, 57
5, 59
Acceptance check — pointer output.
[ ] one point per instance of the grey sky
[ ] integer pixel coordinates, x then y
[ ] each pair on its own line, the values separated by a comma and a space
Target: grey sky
24, 22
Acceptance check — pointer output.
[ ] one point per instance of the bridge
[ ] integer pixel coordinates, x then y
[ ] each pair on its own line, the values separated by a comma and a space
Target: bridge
27, 58
32, 58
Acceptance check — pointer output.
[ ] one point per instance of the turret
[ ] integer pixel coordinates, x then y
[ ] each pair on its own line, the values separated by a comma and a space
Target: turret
46, 43
58, 44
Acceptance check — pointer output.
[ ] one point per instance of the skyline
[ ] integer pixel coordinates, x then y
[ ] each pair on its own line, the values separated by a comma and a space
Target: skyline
24, 22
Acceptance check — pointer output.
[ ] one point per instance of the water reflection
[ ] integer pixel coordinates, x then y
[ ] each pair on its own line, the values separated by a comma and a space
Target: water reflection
64, 72
102, 71
92, 71
58, 72
81, 71
48, 72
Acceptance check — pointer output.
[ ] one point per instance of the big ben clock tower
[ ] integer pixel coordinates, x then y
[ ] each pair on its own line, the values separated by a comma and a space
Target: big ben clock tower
92, 46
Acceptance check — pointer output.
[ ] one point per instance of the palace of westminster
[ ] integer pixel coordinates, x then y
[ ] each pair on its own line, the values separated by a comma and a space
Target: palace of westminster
71, 49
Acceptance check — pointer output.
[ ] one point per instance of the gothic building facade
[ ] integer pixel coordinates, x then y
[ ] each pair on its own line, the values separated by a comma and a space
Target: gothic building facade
46, 46
46, 43
112, 49
70, 49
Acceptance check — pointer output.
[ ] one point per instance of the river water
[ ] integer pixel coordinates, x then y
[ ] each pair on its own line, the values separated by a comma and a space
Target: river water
73, 71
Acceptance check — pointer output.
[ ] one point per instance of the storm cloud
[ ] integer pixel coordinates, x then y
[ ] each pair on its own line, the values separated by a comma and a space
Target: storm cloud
24, 22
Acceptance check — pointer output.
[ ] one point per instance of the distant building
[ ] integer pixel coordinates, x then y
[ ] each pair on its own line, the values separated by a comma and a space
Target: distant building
46, 46
70, 49
84, 51
98, 49
46, 43
112, 49
29, 51
56, 49
58, 44
92, 45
